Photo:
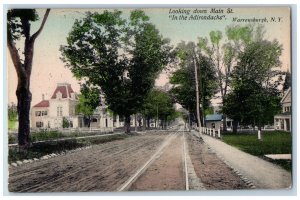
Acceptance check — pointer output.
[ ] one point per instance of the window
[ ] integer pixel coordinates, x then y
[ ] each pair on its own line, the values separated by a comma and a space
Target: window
59, 111
58, 95
39, 124
37, 113
44, 113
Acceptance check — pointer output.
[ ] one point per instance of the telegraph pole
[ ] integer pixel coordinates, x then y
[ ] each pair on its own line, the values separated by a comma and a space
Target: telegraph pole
157, 115
197, 95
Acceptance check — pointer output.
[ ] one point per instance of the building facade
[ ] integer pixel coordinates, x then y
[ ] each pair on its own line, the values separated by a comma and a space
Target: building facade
283, 121
49, 114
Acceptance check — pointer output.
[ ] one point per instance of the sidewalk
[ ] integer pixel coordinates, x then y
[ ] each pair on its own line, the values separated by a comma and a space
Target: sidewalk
263, 174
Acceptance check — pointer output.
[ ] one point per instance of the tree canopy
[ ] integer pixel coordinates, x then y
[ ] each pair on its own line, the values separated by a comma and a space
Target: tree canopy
89, 100
159, 104
121, 56
255, 97
184, 79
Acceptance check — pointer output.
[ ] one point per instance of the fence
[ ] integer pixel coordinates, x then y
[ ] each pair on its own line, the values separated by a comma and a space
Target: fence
211, 132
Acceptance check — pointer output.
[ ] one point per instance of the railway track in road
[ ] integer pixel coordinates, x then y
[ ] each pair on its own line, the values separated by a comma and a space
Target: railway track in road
116, 166
89, 164
177, 137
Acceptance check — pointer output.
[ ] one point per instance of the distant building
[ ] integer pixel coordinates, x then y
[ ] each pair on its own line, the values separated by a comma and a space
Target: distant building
216, 121
49, 114
213, 121
283, 121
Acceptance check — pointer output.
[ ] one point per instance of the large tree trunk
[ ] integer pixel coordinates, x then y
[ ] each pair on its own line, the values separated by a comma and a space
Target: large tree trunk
23, 69
144, 123
135, 123
127, 124
234, 126
224, 122
24, 101
148, 122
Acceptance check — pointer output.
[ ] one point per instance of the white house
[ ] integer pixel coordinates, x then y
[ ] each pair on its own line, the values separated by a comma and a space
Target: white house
50, 113
283, 121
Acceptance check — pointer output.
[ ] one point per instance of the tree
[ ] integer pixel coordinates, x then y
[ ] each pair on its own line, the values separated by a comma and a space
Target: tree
287, 82
159, 106
122, 57
255, 97
184, 79
18, 26
89, 100
224, 56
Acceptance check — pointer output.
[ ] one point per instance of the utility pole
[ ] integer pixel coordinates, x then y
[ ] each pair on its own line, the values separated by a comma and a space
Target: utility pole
197, 95
157, 115
189, 117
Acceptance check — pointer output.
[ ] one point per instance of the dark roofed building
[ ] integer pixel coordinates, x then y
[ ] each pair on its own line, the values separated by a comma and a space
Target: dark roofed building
63, 89
43, 103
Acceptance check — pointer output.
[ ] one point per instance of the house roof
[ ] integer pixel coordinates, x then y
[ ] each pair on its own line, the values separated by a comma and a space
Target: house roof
214, 117
283, 100
44, 103
64, 89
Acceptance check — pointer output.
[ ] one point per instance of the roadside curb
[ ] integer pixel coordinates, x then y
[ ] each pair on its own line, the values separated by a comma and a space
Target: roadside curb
238, 173
19, 163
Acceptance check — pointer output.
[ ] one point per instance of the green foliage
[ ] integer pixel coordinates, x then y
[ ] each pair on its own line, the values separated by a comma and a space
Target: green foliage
65, 123
12, 116
237, 33
111, 52
16, 19
11, 139
184, 78
209, 111
287, 81
255, 97
89, 99
215, 37
12, 125
12, 112
158, 102
40, 149
45, 135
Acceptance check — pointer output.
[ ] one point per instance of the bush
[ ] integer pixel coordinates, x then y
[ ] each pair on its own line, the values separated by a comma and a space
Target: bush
65, 123
45, 135
11, 139
40, 149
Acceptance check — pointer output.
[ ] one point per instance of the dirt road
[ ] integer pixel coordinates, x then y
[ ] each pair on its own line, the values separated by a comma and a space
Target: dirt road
101, 168
171, 160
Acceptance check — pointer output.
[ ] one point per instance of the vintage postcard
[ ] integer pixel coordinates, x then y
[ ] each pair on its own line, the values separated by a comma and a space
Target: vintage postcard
149, 99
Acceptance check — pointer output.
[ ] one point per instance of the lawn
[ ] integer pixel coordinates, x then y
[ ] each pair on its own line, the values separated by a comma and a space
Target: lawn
12, 125
273, 142
50, 135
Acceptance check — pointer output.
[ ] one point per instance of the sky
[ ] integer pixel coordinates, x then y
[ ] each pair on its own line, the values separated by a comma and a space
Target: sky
48, 69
